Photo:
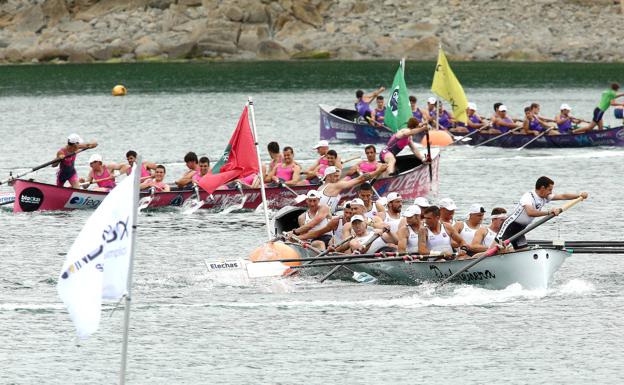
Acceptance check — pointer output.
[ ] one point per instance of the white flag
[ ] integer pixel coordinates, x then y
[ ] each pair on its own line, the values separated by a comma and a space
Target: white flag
97, 263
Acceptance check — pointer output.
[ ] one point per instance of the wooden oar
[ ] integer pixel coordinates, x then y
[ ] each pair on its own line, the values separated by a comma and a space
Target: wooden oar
46, 164
375, 124
365, 246
499, 136
546, 131
299, 197
461, 139
494, 250
410, 256
320, 256
87, 184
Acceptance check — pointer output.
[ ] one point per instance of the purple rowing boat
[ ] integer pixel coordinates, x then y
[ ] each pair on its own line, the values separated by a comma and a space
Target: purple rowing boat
608, 137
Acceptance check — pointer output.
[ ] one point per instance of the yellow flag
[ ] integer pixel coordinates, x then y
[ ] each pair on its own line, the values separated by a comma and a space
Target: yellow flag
446, 85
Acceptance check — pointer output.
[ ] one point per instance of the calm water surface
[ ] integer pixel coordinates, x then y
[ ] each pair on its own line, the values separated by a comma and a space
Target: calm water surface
190, 327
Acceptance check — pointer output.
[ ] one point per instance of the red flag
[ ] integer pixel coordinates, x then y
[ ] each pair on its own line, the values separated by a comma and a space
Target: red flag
239, 158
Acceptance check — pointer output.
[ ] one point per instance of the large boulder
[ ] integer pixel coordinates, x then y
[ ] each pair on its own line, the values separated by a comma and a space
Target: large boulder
306, 11
74, 26
271, 50
30, 20
54, 11
234, 13
147, 48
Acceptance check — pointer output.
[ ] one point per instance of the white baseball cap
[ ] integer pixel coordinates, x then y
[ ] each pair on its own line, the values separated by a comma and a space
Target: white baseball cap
313, 194
74, 139
95, 158
476, 209
502, 107
393, 196
422, 202
411, 211
330, 170
565, 107
321, 143
448, 203
357, 201
472, 106
431, 100
357, 217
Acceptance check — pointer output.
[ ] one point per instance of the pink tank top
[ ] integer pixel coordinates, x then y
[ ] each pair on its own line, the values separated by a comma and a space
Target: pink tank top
68, 161
110, 184
368, 166
249, 179
197, 176
285, 173
144, 171
159, 185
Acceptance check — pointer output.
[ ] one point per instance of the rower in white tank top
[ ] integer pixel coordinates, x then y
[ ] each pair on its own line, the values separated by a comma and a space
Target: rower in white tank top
338, 232
372, 212
412, 241
440, 242
489, 238
393, 222
332, 202
468, 233
320, 225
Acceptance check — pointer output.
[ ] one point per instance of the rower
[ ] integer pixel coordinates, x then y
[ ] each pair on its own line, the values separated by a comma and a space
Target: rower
485, 236
501, 123
379, 112
529, 208
332, 187
398, 141
362, 103
204, 169
417, 112
317, 170
186, 181
287, 171
157, 181
101, 174
468, 229
474, 121
67, 170
447, 210
273, 149
371, 208
564, 120
362, 234
422, 203
534, 124
412, 234
335, 225
441, 237
146, 167
392, 216
606, 100
316, 217
366, 166
446, 121
431, 112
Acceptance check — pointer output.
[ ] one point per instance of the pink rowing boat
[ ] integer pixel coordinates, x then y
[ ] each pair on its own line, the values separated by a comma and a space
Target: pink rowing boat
411, 182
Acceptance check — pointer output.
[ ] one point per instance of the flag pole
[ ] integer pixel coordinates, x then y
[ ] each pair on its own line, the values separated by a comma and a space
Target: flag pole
262, 191
135, 199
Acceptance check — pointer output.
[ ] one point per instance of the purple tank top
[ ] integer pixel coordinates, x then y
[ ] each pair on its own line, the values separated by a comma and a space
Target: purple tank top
417, 114
503, 128
445, 121
379, 115
535, 125
565, 127
362, 107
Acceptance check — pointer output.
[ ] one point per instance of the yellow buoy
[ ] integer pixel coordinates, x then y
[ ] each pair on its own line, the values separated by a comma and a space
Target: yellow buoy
437, 138
274, 250
119, 90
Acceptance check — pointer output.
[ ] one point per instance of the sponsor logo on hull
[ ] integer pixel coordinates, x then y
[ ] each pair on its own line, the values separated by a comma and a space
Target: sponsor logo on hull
30, 199
83, 201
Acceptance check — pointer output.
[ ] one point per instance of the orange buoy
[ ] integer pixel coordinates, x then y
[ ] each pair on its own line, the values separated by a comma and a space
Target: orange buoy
274, 250
119, 90
437, 138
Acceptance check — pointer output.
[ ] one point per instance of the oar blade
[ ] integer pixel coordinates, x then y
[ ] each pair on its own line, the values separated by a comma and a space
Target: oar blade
268, 269
145, 202
194, 205
363, 277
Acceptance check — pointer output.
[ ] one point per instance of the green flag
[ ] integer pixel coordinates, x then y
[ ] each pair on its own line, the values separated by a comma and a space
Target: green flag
398, 109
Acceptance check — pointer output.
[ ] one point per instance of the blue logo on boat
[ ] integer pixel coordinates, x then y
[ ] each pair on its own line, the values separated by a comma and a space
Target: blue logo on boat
177, 201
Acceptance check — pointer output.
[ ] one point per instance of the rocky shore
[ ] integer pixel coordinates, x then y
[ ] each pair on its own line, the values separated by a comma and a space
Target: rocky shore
83, 31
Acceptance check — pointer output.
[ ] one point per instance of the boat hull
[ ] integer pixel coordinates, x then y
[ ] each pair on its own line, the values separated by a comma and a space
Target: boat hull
608, 137
342, 125
532, 269
37, 196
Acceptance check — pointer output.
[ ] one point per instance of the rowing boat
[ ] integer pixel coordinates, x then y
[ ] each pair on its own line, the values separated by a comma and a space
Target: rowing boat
532, 269
608, 137
344, 125
7, 198
411, 181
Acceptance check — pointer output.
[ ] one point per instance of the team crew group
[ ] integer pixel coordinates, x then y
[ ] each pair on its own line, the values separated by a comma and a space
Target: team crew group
370, 226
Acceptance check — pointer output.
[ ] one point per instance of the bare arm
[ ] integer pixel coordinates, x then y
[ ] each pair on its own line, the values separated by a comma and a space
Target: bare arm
568, 196
477, 242
422, 241
322, 213
402, 235
186, 179
456, 239
330, 226
295, 176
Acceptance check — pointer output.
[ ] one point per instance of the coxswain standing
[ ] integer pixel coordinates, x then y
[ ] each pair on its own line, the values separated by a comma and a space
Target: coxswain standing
529, 207
606, 100
398, 141
67, 170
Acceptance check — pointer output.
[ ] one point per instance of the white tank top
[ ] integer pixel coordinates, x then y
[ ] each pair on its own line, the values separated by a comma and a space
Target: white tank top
468, 233
320, 225
439, 242
412, 240
364, 238
489, 238
338, 232
394, 223
372, 212
332, 202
